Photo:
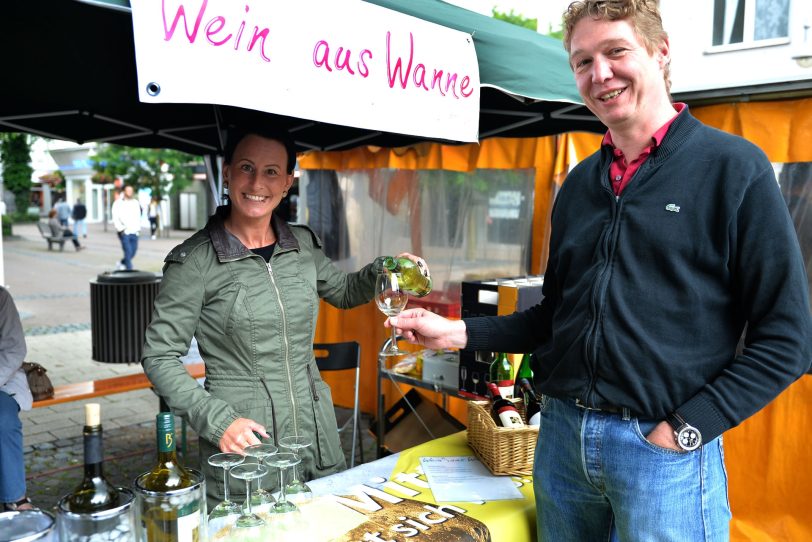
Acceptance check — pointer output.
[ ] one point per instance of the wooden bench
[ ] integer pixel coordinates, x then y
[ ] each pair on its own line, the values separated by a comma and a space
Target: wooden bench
90, 389
78, 391
45, 230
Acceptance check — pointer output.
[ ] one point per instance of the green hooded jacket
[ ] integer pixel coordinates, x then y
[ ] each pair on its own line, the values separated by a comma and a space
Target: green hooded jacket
255, 325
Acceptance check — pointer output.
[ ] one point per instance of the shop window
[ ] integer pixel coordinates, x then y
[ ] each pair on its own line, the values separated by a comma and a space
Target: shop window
749, 21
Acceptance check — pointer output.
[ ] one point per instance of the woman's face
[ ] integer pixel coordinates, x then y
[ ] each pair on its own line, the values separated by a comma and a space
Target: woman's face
257, 177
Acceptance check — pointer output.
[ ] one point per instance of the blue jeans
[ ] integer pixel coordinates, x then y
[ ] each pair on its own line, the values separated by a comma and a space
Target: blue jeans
12, 467
129, 243
79, 227
597, 478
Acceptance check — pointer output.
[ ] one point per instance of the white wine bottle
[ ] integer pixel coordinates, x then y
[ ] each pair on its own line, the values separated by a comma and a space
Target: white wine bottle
174, 523
94, 493
415, 276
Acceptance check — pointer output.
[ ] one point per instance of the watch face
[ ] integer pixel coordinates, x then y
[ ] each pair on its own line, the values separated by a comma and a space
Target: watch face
689, 438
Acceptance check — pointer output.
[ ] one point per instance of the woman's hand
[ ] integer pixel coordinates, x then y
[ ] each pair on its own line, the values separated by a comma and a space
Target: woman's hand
419, 326
241, 434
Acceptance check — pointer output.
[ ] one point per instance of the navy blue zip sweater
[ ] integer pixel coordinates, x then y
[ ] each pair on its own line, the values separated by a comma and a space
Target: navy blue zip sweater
646, 295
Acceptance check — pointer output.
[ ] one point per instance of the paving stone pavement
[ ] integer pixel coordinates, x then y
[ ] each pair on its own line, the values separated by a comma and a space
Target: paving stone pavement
51, 290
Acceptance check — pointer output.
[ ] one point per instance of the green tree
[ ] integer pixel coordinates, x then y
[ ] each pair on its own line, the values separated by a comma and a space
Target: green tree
517, 19
15, 155
532, 24
163, 171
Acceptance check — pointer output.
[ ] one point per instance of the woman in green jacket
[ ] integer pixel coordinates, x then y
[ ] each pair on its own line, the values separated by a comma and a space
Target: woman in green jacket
247, 286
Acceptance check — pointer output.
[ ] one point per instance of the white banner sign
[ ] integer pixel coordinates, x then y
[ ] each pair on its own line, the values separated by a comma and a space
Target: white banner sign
344, 62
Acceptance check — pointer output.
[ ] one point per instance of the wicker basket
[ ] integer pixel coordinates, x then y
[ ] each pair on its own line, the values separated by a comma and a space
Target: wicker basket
505, 451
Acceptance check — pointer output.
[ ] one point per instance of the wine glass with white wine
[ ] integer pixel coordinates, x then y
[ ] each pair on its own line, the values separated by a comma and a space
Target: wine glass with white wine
391, 299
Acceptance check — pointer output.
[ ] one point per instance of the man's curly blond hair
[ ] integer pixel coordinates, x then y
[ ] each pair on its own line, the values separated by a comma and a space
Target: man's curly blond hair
643, 15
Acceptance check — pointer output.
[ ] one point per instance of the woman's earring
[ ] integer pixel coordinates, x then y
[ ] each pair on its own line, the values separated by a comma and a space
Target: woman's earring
284, 193
226, 200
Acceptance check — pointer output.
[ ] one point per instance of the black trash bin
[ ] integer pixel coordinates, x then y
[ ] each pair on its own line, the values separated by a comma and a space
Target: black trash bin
120, 310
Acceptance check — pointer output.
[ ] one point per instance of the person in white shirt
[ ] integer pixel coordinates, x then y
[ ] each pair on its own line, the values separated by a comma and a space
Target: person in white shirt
127, 221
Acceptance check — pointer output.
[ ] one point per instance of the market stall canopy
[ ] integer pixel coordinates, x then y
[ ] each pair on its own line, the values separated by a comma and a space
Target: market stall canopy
71, 74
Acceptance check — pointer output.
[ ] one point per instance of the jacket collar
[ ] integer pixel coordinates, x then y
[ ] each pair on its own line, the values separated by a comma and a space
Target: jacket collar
229, 248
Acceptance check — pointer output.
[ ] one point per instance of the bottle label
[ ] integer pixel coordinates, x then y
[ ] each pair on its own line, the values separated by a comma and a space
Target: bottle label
165, 431
505, 388
510, 417
166, 441
189, 524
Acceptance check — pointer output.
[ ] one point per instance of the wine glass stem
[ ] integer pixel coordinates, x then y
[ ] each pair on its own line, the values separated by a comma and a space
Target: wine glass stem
248, 494
282, 496
225, 483
261, 461
394, 339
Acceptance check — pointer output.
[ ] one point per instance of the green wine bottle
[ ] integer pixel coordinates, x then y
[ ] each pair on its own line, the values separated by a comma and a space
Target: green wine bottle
167, 523
415, 276
501, 373
94, 493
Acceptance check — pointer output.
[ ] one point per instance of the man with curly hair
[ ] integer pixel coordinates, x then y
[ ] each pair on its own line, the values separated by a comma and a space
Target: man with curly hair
667, 244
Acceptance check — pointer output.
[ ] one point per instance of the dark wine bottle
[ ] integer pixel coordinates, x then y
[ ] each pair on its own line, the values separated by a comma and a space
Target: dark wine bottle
94, 493
503, 410
525, 371
532, 406
414, 276
169, 524
501, 373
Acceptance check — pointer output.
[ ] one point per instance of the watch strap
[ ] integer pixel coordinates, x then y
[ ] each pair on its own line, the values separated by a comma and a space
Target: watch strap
675, 421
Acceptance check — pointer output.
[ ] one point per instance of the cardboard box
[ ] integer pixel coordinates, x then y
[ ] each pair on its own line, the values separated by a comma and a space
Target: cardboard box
441, 368
491, 298
402, 427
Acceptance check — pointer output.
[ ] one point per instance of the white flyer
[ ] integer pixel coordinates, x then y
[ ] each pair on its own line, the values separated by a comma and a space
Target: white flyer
466, 479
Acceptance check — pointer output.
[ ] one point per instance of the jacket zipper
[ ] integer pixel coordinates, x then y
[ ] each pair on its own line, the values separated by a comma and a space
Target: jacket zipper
312, 383
287, 349
598, 294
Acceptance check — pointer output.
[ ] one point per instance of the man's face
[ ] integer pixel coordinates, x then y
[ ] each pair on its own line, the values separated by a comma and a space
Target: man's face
619, 80
128, 192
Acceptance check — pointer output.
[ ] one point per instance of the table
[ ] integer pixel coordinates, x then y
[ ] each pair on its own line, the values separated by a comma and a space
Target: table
399, 477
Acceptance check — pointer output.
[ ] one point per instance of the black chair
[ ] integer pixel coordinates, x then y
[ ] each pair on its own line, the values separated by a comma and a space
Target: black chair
343, 357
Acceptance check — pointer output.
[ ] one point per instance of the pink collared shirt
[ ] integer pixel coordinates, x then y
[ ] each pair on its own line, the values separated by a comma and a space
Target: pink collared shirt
620, 172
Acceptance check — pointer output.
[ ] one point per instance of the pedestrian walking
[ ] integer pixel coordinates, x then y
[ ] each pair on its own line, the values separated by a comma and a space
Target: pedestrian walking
63, 211
127, 221
78, 214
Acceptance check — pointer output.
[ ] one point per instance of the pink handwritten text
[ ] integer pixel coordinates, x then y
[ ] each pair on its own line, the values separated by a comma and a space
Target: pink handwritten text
215, 29
321, 58
440, 80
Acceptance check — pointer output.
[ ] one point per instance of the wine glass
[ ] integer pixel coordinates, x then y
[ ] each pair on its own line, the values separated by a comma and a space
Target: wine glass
225, 461
282, 461
475, 380
297, 490
464, 375
390, 299
248, 472
261, 497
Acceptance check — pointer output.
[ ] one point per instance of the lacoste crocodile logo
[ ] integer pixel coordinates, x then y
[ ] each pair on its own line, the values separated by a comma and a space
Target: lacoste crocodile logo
673, 207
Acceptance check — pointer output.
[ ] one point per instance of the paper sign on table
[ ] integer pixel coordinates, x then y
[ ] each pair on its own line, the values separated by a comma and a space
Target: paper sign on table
466, 479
